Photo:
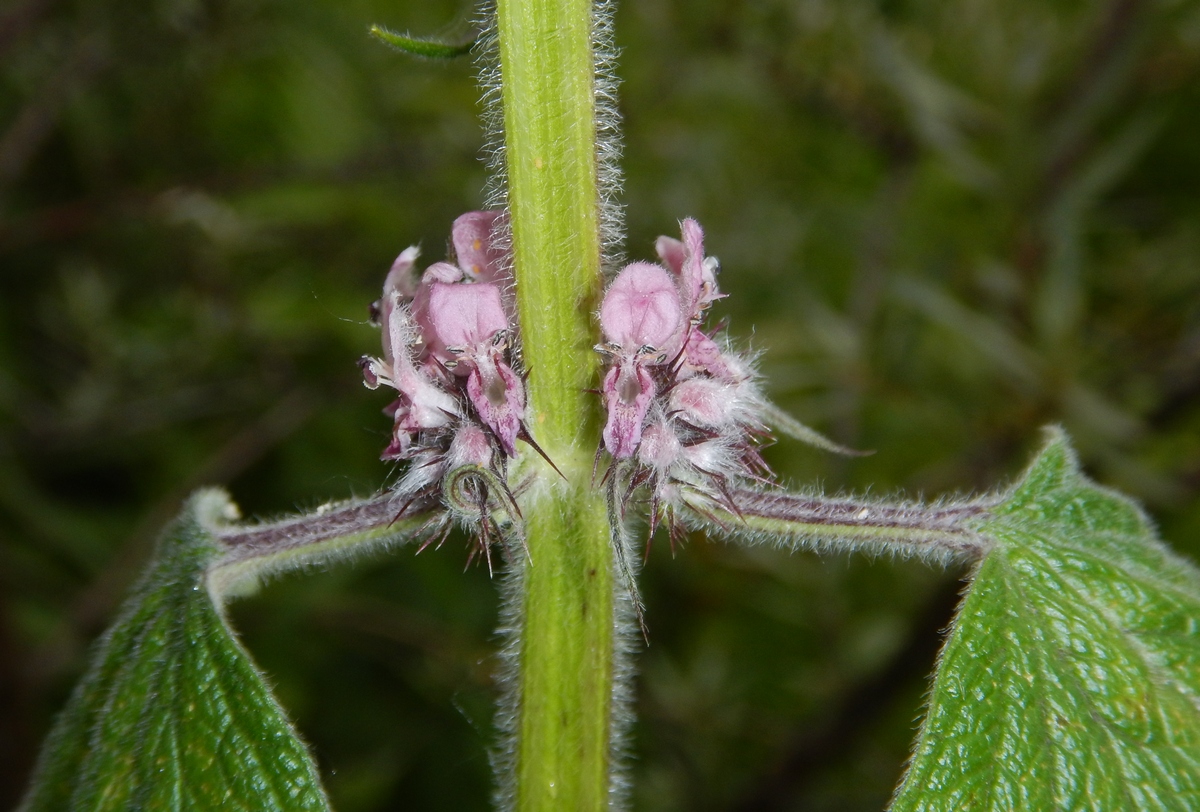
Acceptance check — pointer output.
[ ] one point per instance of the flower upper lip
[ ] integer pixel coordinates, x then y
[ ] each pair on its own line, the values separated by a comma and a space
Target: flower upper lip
642, 309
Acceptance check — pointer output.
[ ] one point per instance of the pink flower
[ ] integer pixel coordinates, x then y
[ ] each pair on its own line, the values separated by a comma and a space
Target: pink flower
477, 258
462, 318
454, 323
641, 317
460, 405
628, 391
468, 333
683, 407
697, 274
437, 273
498, 395
422, 404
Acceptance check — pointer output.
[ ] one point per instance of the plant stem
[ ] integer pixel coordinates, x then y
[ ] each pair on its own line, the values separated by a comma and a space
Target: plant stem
564, 681
938, 531
251, 551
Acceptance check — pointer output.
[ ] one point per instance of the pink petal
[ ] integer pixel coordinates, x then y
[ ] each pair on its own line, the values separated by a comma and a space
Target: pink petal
464, 316
425, 404
692, 275
402, 277
628, 390
437, 273
441, 272
498, 395
641, 308
696, 273
474, 246
398, 448
401, 280
670, 251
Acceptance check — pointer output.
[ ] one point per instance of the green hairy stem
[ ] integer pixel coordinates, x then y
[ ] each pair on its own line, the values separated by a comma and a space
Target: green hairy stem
565, 648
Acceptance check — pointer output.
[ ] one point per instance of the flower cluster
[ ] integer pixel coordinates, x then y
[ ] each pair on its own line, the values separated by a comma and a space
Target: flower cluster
684, 411
686, 416
446, 351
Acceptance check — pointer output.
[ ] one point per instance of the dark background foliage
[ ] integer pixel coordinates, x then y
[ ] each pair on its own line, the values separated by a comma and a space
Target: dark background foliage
943, 224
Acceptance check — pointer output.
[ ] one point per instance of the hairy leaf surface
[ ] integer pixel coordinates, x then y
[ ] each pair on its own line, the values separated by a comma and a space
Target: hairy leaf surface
172, 714
1071, 680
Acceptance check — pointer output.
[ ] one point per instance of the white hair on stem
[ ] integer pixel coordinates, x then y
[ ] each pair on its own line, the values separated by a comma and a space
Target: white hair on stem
612, 235
627, 639
609, 146
503, 755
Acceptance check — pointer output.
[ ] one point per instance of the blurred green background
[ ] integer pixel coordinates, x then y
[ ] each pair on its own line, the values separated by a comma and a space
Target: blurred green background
943, 224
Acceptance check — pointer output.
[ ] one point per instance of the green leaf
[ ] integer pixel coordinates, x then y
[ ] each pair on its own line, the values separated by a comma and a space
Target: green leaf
172, 714
1071, 680
429, 48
